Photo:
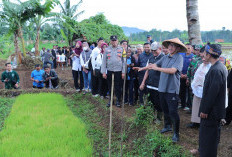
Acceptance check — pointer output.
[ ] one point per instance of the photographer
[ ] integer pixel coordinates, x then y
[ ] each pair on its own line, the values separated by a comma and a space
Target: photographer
10, 77
36, 77
50, 78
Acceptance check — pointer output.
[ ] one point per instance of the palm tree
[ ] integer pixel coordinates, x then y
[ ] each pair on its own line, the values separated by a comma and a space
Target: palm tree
67, 19
193, 22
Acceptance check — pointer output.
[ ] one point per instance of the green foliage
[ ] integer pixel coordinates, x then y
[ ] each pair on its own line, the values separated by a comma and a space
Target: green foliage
5, 107
97, 26
159, 35
155, 144
144, 116
42, 125
6, 46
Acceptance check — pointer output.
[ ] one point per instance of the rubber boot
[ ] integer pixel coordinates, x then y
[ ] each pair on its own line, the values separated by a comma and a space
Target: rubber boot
167, 124
176, 126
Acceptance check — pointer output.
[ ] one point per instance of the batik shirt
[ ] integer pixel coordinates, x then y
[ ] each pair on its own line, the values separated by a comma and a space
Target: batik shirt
194, 64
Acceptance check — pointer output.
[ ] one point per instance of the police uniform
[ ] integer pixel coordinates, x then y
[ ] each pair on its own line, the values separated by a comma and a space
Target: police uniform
113, 63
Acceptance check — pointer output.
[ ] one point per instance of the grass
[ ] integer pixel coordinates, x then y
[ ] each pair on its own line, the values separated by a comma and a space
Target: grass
42, 125
5, 107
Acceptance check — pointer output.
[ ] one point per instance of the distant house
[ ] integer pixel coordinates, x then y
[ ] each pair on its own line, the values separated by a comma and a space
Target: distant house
219, 41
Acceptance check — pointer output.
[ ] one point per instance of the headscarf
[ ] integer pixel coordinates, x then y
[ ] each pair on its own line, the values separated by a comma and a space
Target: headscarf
214, 49
79, 50
102, 46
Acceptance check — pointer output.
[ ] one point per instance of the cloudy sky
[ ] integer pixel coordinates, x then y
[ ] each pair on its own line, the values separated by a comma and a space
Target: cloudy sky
159, 14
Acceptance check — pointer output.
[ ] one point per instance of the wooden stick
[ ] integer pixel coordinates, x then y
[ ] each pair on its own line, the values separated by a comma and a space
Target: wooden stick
111, 109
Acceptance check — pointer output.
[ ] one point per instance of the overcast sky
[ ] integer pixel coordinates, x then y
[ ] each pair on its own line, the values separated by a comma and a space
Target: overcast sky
159, 14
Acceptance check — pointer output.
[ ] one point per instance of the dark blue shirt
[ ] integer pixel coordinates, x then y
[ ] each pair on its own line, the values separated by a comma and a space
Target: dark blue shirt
187, 60
142, 61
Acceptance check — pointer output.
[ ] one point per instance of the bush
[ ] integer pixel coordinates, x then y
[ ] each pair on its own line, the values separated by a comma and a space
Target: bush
144, 116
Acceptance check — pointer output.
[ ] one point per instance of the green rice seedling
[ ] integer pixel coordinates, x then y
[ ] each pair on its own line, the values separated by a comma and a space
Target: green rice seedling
42, 125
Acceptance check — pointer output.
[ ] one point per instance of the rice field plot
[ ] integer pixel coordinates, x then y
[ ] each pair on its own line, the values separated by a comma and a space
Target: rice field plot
42, 125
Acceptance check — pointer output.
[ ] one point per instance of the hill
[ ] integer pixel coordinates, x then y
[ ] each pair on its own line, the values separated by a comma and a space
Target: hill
131, 30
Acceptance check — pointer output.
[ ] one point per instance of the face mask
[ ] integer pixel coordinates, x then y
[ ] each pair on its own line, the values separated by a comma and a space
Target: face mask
85, 48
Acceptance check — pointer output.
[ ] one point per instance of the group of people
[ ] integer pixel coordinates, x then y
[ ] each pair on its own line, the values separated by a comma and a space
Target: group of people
41, 78
164, 73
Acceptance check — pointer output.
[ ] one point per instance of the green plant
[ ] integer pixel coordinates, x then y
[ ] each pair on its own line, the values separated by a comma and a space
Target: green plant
42, 125
144, 116
5, 107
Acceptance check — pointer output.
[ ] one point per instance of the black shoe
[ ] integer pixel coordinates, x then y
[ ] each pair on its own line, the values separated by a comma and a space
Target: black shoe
118, 104
193, 125
166, 129
175, 137
131, 104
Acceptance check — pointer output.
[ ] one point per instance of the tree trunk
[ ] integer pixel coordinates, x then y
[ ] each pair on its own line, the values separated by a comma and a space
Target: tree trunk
193, 22
22, 40
37, 41
16, 45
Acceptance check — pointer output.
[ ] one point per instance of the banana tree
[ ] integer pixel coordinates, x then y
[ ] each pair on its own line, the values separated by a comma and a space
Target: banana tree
67, 19
15, 14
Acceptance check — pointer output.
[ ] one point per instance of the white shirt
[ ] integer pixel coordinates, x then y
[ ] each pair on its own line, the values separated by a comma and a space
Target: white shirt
96, 51
199, 78
76, 63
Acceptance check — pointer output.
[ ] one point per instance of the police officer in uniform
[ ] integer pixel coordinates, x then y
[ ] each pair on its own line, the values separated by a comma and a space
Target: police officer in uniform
113, 63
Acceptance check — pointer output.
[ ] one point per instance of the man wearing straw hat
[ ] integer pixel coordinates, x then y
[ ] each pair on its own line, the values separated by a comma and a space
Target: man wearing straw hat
170, 67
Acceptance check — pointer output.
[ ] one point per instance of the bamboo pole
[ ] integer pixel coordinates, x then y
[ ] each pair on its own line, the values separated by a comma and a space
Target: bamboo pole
111, 109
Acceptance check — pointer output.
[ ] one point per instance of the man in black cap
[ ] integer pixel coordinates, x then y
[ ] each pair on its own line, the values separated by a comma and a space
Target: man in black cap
149, 40
212, 107
113, 63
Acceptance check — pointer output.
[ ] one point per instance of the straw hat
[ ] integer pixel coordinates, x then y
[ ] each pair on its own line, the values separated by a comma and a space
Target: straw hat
175, 41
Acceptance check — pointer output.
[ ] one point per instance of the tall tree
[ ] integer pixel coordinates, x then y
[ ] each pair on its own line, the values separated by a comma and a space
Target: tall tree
193, 22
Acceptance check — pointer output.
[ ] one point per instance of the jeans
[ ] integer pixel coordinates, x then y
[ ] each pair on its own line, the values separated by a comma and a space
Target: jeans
50, 62
87, 79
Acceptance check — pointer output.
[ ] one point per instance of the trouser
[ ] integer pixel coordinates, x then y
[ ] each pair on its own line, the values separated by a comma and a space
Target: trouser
50, 62
154, 99
136, 89
169, 105
76, 75
129, 91
97, 84
229, 109
87, 79
54, 83
182, 93
104, 87
141, 92
54, 64
209, 137
117, 83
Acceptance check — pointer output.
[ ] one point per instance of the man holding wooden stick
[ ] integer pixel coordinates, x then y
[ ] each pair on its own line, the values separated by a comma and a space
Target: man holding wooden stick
113, 63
